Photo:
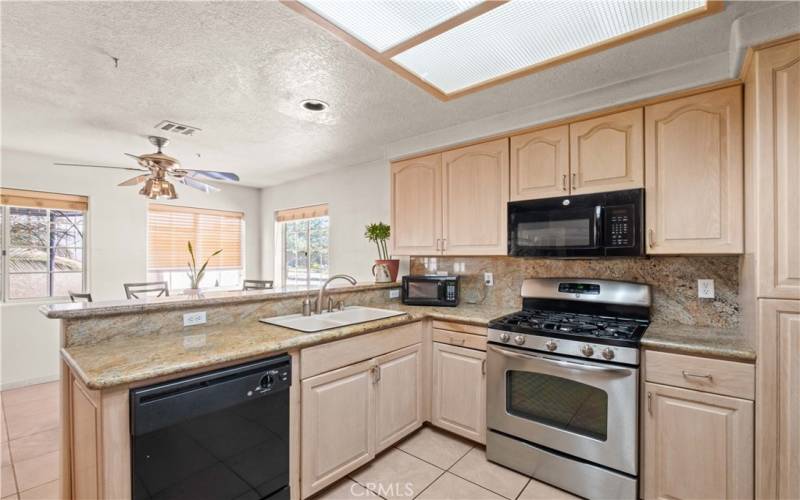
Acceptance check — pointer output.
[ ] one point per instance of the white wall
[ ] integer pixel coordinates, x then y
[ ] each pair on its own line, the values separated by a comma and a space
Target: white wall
116, 230
356, 196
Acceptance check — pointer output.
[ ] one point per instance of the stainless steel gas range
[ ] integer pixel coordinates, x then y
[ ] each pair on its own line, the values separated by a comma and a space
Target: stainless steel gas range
563, 385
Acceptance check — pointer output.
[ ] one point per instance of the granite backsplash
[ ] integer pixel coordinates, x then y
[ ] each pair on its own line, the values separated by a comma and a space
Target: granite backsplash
674, 281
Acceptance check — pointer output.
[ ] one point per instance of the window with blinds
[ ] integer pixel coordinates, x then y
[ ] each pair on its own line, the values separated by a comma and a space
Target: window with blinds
170, 228
43, 238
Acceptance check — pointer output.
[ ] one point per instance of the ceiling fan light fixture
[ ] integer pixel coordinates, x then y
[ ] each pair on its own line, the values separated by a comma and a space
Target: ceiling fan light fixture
158, 188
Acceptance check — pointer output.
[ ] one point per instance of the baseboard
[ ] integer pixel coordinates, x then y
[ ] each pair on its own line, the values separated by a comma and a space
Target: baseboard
25, 383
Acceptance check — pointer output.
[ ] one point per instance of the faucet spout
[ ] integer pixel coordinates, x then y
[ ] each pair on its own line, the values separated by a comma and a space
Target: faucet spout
323, 288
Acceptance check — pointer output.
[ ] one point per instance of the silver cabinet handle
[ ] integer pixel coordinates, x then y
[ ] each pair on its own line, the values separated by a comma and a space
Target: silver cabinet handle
444, 244
438, 244
376, 374
483, 367
650, 403
651, 236
564, 182
697, 375
574, 179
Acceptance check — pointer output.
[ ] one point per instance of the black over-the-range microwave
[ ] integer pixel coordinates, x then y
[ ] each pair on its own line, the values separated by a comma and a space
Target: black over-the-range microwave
591, 225
430, 290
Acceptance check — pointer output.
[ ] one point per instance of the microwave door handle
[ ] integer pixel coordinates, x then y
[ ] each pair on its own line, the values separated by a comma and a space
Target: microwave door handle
598, 225
564, 364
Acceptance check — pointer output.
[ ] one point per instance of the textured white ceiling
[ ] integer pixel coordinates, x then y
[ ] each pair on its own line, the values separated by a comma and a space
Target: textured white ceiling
238, 71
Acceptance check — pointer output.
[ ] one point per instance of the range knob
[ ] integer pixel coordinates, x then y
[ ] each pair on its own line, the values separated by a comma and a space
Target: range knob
504, 337
519, 339
608, 353
266, 381
587, 350
550, 345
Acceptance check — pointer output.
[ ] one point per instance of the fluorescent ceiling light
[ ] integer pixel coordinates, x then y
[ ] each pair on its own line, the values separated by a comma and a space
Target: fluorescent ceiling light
526, 33
384, 24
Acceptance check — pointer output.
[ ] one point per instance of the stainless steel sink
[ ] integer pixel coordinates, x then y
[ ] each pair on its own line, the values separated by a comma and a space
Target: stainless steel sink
325, 321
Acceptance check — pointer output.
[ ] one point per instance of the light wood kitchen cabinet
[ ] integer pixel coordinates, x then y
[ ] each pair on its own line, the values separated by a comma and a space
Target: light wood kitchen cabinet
416, 206
697, 445
459, 391
398, 395
474, 198
540, 164
772, 170
694, 174
778, 403
331, 448
351, 413
606, 153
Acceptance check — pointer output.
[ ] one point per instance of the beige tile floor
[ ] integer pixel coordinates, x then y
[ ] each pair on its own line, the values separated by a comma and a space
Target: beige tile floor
29, 441
435, 465
430, 464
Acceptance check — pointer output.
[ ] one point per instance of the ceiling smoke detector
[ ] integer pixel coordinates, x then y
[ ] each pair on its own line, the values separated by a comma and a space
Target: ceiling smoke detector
314, 105
177, 128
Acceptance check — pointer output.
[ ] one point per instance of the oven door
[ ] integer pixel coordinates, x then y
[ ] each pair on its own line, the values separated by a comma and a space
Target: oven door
545, 228
585, 409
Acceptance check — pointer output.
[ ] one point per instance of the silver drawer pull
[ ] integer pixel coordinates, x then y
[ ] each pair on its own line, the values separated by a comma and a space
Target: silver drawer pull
697, 375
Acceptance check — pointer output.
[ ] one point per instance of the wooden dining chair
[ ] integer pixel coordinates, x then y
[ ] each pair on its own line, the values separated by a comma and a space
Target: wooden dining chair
78, 296
133, 290
257, 285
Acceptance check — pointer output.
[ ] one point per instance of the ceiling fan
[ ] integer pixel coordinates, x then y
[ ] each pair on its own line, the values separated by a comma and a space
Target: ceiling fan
160, 169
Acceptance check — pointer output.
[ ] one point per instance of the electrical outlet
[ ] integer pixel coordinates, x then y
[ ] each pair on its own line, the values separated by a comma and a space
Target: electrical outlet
194, 318
705, 289
488, 279
394, 293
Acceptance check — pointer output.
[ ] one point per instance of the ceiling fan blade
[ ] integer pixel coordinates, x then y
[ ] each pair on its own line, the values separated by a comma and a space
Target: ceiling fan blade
212, 174
134, 180
133, 156
98, 166
198, 185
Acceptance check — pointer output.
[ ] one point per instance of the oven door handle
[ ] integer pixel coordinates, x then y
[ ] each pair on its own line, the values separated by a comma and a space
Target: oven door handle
562, 363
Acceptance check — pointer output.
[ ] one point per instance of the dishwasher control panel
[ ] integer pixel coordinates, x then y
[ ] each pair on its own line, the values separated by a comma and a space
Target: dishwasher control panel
274, 379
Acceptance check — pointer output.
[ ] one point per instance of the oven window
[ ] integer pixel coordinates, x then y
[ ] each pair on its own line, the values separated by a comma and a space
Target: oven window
558, 402
555, 233
423, 289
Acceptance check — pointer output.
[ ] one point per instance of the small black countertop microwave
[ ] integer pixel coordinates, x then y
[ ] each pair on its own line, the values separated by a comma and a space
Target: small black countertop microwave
591, 225
430, 290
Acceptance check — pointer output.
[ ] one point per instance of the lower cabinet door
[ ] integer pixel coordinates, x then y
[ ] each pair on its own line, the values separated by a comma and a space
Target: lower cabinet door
459, 391
337, 424
398, 395
697, 445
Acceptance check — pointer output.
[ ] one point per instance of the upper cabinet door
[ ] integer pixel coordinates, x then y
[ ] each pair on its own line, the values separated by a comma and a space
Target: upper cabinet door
475, 196
540, 164
606, 153
416, 218
694, 174
773, 124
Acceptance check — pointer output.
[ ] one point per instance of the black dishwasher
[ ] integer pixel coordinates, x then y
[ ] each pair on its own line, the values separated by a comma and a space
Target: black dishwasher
221, 435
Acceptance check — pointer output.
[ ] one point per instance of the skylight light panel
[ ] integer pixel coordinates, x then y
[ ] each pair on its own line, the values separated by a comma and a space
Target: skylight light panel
384, 24
523, 33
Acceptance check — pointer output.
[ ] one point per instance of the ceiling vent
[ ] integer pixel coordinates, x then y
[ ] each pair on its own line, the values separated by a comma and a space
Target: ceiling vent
177, 128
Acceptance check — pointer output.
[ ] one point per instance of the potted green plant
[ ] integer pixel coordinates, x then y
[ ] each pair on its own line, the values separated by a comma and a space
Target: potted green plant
379, 233
196, 275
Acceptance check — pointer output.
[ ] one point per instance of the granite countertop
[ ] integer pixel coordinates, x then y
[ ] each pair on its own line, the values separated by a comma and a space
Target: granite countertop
725, 343
82, 310
131, 359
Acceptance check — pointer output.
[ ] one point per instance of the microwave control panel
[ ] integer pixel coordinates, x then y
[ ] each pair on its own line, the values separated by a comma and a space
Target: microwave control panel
450, 292
620, 226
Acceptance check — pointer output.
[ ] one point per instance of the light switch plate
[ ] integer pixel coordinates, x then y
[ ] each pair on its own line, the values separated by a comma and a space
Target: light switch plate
705, 289
394, 293
488, 279
194, 318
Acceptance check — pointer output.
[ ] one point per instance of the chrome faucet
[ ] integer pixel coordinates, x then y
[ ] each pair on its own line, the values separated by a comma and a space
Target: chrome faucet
321, 294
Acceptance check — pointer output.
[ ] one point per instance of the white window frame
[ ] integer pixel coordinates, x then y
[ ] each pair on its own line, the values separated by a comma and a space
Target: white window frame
5, 283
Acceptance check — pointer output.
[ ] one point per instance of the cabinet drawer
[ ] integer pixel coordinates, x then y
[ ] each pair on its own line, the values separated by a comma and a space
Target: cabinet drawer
326, 357
729, 378
460, 327
459, 339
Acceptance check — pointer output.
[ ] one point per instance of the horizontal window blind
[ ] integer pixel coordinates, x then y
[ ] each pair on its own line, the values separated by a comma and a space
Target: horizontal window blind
169, 228
42, 199
301, 213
